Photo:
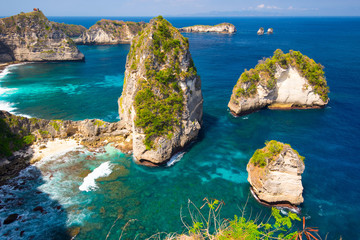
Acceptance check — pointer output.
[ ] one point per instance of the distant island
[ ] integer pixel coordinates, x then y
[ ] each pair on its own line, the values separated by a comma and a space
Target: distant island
219, 28
284, 81
106, 32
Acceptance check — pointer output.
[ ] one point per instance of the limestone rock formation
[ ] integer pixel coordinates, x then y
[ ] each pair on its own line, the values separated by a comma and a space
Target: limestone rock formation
32, 37
110, 32
260, 31
71, 30
270, 31
284, 81
17, 131
220, 28
161, 102
274, 173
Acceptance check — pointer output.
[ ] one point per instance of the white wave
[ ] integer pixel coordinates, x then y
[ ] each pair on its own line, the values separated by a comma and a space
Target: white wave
4, 72
7, 90
174, 159
7, 106
89, 183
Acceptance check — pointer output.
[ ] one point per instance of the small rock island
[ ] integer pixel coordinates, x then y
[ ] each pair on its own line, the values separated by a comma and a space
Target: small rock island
270, 31
32, 37
106, 32
161, 102
284, 81
219, 28
260, 31
274, 173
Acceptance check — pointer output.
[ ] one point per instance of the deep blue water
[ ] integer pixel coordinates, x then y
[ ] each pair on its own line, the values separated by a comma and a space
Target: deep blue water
215, 166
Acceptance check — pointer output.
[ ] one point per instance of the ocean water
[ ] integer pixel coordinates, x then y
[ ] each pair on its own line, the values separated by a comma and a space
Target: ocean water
86, 192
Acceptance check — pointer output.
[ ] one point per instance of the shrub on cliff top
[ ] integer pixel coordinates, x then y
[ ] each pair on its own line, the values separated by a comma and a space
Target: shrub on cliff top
264, 72
269, 153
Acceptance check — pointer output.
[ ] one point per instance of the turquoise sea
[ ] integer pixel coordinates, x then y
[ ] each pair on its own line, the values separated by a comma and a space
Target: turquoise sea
215, 165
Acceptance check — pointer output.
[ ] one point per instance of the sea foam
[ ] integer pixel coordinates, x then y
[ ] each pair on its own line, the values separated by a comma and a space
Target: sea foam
174, 159
89, 183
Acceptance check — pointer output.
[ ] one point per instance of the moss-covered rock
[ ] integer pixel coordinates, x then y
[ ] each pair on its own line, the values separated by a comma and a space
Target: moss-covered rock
110, 32
161, 100
275, 174
291, 80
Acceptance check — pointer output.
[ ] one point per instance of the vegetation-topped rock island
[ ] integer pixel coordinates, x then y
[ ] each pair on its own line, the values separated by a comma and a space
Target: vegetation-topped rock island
110, 32
161, 101
275, 174
285, 81
219, 28
32, 37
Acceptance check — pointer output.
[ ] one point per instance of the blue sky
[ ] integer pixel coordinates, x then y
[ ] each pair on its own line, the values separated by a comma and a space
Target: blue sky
184, 7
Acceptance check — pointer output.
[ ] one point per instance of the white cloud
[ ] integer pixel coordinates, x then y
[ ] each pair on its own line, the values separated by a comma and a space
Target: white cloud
261, 6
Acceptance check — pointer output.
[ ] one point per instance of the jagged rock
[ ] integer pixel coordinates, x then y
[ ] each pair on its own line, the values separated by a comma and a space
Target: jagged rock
270, 31
11, 218
161, 102
275, 174
32, 37
110, 32
92, 132
260, 31
280, 83
220, 28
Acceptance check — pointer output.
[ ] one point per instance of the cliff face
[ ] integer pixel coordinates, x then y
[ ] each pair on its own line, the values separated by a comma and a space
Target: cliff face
275, 174
71, 30
280, 83
17, 131
161, 101
220, 28
260, 31
32, 37
110, 32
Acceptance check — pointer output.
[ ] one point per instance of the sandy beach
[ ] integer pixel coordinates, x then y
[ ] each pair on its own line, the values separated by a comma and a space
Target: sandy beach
51, 148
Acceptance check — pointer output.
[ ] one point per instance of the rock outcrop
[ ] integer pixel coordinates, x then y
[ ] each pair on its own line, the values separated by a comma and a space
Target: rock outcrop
106, 32
270, 31
260, 31
71, 30
284, 81
274, 173
220, 28
32, 37
17, 132
161, 102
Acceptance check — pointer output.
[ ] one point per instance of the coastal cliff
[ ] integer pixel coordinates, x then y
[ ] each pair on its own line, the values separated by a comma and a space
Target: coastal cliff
284, 81
161, 102
275, 174
220, 28
71, 30
110, 32
32, 37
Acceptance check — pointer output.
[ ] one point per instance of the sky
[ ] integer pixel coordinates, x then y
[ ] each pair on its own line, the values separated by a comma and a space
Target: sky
184, 7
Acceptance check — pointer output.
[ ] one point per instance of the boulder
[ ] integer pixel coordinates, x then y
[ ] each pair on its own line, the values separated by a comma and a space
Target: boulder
274, 173
280, 82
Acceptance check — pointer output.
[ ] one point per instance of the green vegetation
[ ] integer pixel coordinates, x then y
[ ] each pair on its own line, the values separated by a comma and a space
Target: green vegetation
55, 124
269, 153
159, 103
99, 123
206, 223
264, 73
71, 30
118, 28
9, 141
48, 52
